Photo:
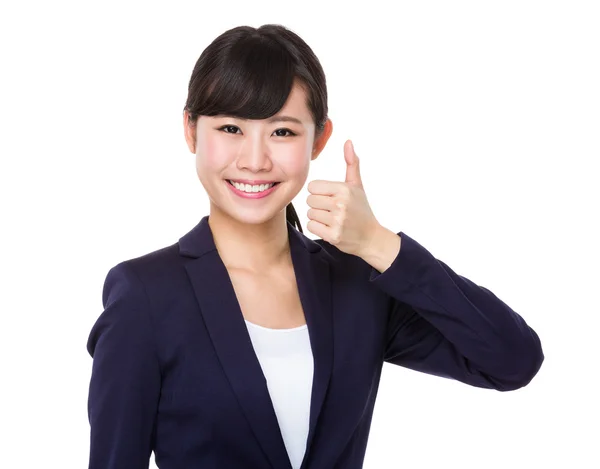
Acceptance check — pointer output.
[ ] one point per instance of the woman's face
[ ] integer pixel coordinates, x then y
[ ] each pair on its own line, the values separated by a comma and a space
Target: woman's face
278, 149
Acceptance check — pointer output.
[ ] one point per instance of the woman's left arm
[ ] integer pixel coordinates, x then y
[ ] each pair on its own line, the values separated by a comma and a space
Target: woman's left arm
440, 323
444, 324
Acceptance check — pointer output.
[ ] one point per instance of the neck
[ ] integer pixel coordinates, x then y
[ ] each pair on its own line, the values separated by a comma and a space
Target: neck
251, 247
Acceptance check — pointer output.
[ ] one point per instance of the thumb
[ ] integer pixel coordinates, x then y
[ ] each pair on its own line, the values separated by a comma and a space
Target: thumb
352, 165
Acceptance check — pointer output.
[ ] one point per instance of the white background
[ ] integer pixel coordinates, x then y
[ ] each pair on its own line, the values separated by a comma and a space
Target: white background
477, 124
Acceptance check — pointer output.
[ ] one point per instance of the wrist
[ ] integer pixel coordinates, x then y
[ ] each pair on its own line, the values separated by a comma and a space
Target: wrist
383, 247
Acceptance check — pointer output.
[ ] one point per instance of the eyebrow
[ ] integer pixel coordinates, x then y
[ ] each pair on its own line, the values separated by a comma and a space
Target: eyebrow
274, 119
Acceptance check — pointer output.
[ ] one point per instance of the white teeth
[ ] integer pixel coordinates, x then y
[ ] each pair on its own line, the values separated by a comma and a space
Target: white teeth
249, 188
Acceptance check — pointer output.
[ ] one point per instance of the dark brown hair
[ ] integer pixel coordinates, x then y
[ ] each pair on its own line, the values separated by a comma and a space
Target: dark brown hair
249, 72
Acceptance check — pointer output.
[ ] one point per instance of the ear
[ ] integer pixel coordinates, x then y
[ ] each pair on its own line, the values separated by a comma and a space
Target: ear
189, 130
321, 140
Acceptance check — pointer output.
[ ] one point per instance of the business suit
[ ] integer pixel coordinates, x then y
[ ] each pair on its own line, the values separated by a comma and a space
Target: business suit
174, 370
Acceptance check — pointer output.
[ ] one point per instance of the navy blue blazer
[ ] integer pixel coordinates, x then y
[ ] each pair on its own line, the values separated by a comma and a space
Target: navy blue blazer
174, 370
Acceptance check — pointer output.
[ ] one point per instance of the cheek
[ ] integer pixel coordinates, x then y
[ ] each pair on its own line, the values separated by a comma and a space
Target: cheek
297, 163
212, 155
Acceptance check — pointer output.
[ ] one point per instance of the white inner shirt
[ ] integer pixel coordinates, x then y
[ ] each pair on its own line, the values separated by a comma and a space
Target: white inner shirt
286, 360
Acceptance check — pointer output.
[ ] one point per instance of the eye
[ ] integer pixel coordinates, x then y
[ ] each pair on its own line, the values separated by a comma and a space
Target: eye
229, 127
289, 132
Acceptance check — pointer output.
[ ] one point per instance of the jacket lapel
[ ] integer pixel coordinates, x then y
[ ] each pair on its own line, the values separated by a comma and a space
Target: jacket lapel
225, 323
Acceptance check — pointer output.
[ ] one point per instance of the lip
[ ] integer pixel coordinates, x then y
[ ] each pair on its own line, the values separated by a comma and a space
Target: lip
252, 182
251, 195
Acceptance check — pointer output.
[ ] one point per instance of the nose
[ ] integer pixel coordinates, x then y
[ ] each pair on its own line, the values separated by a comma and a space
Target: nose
254, 155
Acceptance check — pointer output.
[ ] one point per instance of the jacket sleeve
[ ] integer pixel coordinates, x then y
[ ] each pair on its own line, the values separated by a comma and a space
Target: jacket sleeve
125, 382
444, 324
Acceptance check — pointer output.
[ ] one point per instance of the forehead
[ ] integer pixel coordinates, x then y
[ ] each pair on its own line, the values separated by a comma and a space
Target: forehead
294, 109
296, 104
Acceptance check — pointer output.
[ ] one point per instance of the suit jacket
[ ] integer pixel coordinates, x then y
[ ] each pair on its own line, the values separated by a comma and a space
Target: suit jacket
174, 370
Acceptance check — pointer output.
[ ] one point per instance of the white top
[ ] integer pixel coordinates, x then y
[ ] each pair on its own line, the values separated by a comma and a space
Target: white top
286, 360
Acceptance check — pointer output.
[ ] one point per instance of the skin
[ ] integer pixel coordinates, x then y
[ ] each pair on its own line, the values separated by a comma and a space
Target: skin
252, 234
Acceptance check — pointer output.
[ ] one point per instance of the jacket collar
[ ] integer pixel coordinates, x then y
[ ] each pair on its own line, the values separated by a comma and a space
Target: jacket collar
200, 241
228, 332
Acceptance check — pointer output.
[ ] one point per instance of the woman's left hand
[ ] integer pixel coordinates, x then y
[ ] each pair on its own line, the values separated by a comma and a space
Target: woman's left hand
340, 213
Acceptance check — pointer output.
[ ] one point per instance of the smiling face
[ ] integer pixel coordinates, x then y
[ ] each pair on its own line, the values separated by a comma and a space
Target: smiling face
278, 149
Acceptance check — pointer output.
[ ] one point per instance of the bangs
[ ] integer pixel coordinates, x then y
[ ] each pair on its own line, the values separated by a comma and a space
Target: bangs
252, 80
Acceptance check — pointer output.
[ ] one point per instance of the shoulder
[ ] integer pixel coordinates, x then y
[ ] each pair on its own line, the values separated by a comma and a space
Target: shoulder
152, 263
150, 271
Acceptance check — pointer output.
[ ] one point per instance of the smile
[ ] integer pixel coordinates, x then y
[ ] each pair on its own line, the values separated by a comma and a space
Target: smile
256, 191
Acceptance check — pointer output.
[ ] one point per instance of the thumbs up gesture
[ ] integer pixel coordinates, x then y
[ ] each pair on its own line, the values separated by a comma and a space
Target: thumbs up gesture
340, 213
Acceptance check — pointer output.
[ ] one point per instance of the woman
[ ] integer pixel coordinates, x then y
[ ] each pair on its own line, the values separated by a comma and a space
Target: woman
247, 344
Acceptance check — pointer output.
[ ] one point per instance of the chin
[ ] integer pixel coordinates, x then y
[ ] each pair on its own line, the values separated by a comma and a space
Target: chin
256, 218
250, 216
